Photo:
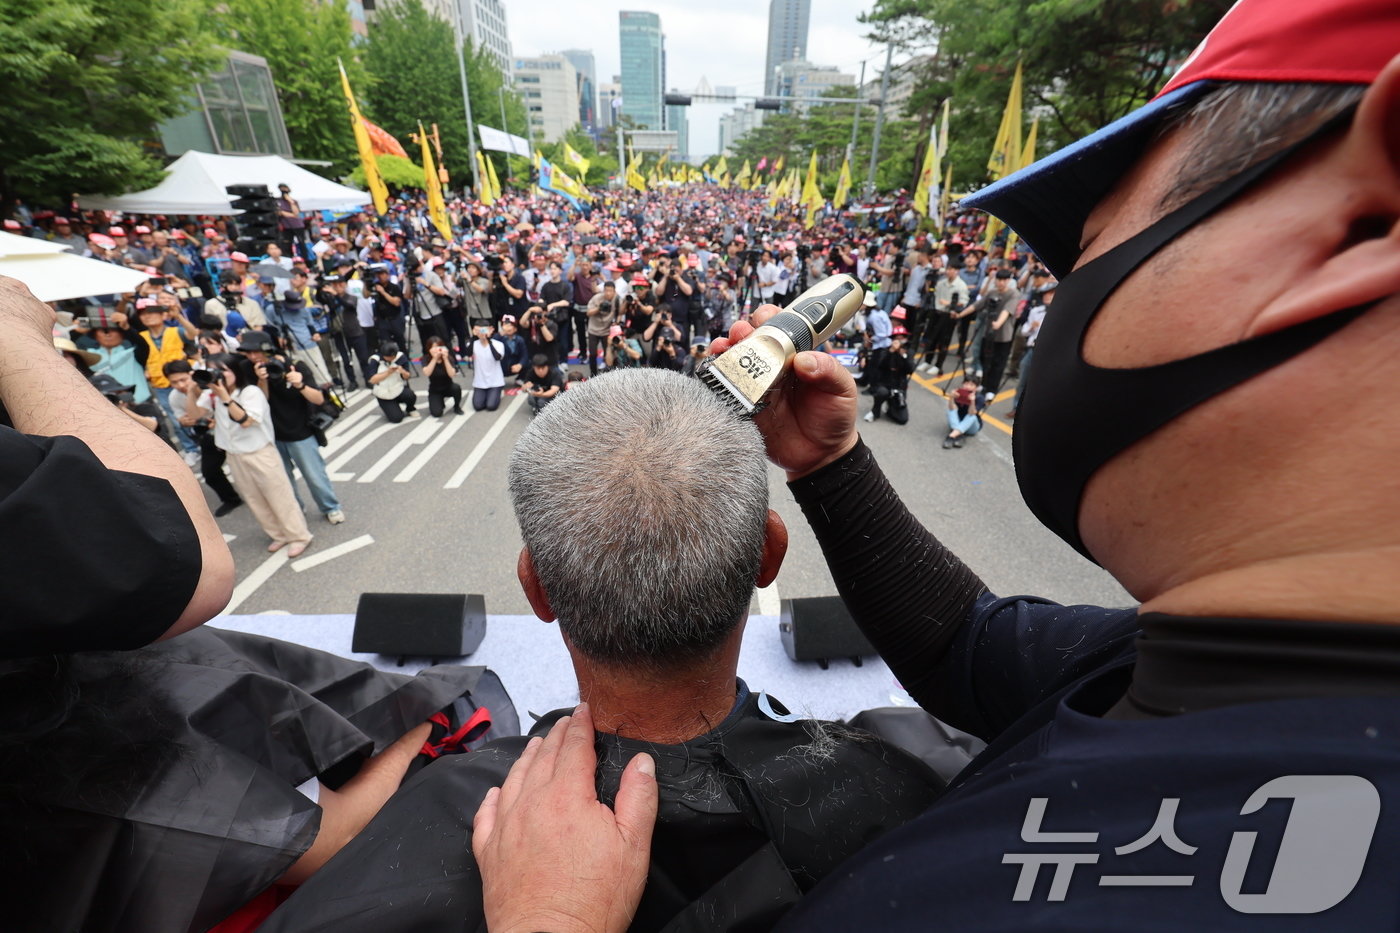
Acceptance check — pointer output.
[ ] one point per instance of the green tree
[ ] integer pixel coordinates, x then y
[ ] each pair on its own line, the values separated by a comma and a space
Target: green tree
301, 40
827, 130
84, 82
490, 95
396, 171
1085, 62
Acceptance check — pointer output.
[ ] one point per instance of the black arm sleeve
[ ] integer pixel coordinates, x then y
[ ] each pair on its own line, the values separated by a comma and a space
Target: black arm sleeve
124, 539
908, 593
142, 348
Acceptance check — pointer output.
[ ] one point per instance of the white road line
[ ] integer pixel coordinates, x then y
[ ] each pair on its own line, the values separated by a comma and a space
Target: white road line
769, 603
347, 421
434, 448
334, 467
336, 443
228, 538
331, 553
485, 443
260, 575
417, 437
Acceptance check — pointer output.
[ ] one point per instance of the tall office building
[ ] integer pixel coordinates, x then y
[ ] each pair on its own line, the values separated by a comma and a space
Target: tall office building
549, 86
484, 22
643, 68
582, 60
608, 93
787, 37
799, 79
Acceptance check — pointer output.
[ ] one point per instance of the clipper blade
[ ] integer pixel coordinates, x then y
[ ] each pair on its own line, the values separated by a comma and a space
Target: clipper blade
726, 392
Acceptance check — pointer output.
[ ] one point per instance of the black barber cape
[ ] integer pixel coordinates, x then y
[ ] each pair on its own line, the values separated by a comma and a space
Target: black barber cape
203, 813
752, 815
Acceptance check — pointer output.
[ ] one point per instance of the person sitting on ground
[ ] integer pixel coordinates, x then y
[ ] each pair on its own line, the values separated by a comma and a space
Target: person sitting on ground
388, 380
544, 383
964, 412
757, 805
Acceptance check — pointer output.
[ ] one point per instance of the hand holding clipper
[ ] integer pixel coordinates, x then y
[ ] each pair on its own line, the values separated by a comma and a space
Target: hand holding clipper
745, 373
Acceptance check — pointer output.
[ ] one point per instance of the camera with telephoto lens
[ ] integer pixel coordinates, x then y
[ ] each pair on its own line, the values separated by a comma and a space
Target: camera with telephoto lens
751, 256
803, 251
203, 378
276, 369
495, 263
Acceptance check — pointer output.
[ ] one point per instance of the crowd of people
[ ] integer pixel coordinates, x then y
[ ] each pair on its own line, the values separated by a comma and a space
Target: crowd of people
526, 295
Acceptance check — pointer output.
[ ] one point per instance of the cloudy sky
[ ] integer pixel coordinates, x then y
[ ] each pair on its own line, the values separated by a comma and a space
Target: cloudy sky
722, 40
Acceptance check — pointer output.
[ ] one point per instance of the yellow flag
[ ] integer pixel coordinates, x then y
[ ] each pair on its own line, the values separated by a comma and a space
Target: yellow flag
777, 166
943, 130
774, 193
495, 182
483, 182
437, 208
843, 186
928, 177
1027, 157
1006, 150
563, 182
576, 160
635, 178
811, 192
377, 192
945, 199
721, 168
742, 179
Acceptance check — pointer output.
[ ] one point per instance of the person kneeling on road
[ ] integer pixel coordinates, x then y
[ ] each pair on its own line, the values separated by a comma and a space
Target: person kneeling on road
889, 381
544, 383
388, 380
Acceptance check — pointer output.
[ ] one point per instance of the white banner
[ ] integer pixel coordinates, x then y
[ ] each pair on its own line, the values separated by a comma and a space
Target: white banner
503, 142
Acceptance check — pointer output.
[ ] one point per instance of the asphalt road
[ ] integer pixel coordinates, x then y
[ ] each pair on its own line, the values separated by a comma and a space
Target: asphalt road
407, 531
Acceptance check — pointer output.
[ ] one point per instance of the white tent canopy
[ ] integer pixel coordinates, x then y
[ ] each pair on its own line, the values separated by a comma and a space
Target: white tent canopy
53, 274
195, 183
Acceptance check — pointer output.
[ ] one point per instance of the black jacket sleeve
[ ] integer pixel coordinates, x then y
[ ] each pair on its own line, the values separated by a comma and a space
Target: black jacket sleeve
124, 539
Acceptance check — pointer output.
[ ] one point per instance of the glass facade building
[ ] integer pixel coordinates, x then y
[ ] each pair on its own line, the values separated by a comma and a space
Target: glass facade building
235, 112
643, 74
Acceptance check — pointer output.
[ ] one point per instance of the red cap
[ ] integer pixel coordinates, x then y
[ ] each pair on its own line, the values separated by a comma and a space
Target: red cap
325, 231
60, 221
210, 232
12, 225
143, 229
102, 240
178, 234
115, 231
639, 279
1342, 41
238, 257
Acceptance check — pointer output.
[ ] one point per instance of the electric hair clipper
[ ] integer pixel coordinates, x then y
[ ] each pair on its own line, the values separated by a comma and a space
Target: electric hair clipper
744, 373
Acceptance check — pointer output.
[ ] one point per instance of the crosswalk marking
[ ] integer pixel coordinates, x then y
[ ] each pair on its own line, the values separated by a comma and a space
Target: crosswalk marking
416, 437
433, 448
769, 603
331, 553
335, 466
260, 575
485, 443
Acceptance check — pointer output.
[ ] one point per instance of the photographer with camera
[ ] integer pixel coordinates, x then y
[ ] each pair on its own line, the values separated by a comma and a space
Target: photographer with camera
388, 304
673, 288
507, 288
950, 297
294, 402
427, 297
243, 429
557, 299
235, 310
345, 327
541, 335
544, 383
623, 349
474, 288
297, 329
189, 385
586, 283
720, 305
699, 351
388, 381
604, 311
442, 378
488, 378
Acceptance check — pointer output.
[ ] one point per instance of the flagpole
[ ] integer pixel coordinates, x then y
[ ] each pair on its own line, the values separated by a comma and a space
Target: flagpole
855, 123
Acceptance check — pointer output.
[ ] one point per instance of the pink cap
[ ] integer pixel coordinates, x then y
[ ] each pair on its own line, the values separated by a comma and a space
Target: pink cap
116, 231
238, 257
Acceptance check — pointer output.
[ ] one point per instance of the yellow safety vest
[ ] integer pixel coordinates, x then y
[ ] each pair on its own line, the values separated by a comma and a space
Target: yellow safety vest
171, 347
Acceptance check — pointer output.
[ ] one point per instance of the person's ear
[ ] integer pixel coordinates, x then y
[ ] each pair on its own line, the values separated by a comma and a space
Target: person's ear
1362, 263
534, 590
775, 545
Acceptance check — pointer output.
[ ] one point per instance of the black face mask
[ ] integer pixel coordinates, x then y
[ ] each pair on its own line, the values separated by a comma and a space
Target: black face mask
1076, 417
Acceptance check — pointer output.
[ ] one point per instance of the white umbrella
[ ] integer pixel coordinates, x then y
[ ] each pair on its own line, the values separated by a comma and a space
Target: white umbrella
53, 274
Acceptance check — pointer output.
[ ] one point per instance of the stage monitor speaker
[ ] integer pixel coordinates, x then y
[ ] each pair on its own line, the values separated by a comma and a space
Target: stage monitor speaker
820, 628
419, 625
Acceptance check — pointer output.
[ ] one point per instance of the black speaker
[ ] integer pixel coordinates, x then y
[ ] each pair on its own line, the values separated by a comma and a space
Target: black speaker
819, 628
419, 625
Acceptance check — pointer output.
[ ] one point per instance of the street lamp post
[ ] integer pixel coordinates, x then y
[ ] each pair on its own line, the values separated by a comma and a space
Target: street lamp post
466, 102
879, 121
855, 123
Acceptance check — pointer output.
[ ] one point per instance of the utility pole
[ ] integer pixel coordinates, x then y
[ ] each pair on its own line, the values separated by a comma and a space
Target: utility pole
466, 102
855, 123
501, 96
879, 121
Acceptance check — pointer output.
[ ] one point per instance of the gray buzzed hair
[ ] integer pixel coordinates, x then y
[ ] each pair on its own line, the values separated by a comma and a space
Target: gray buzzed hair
643, 501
